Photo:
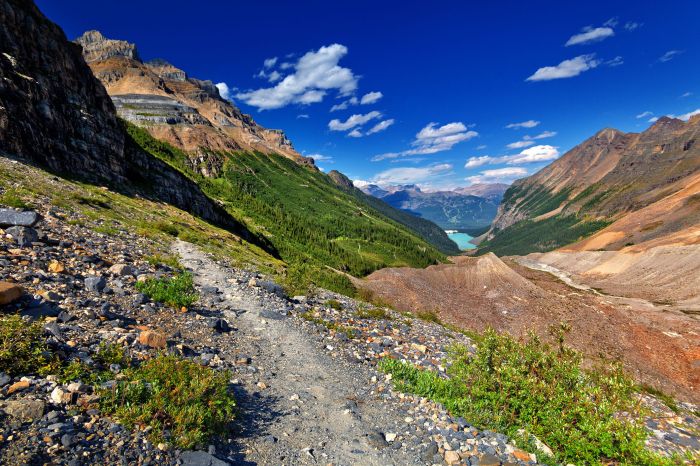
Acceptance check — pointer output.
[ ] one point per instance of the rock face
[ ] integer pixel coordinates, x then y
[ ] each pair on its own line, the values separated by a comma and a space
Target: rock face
54, 113
610, 175
67, 119
186, 112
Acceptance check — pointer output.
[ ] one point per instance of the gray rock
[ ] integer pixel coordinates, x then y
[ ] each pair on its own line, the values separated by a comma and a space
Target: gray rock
219, 325
201, 458
376, 439
271, 315
95, 284
4, 379
25, 409
12, 217
24, 236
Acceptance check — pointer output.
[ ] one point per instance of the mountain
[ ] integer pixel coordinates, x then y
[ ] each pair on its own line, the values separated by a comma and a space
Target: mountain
491, 191
188, 113
457, 209
626, 178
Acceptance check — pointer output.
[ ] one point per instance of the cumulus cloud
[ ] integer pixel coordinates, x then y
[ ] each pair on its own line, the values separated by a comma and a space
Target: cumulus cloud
498, 175
355, 133
523, 124
541, 153
371, 97
270, 62
520, 144
314, 74
352, 121
645, 114
566, 69
670, 55
224, 90
542, 135
478, 161
345, 104
589, 35
687, 116
410, 175
381, 126
433, 138
321, 158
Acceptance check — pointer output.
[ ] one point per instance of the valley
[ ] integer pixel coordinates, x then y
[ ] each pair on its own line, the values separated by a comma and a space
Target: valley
181, 285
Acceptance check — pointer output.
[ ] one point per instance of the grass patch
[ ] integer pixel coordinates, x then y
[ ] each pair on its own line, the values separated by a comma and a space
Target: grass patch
23, 349
429, 316
174, 395
510, 385
12, 198
334, 304
177, 291
367, 312
164, 259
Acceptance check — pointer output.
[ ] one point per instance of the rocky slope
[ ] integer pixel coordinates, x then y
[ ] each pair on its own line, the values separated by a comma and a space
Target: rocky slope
607, 177
188, 113
458, 209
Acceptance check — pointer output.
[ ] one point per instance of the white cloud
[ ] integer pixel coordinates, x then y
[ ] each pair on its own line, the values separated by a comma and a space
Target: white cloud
224, 91
541, 153
481, 147
612, 22
645, 114
314, 73
519, 144
543, 135
631, 25
617, 61
303, 115
381, 126
653, 119
524, 124
371, 97
355, 133
432, 139
687, 116
686, 94
670, 55
410, 175
498, 175
321, 158
352, 121
589, 35
566, 69
478, 161
345, 104
534, 154
270, 62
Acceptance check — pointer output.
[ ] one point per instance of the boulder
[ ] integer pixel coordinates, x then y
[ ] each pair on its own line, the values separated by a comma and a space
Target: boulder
201, 458
21, 218
9, 293
153, 339
122, 270
25, 409
95, 284
24, 236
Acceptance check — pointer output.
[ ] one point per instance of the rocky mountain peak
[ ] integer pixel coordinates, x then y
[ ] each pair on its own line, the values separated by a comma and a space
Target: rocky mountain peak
340, 179
166, 70
97, 47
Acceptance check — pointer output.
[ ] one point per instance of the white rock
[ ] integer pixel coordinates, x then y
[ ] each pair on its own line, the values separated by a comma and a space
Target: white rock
57, 395
390, 436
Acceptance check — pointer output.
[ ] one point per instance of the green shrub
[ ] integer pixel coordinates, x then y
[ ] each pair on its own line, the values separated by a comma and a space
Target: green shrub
429, 316
12, 198
509, 385
23, 349
366, 312
177, 291
169, 393
334, 304
164, 259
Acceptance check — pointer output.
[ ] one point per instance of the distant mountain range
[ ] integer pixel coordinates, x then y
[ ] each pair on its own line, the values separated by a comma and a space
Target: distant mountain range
464, 208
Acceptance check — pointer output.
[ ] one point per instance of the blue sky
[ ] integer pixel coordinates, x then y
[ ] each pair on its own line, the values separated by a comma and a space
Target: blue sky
437, 93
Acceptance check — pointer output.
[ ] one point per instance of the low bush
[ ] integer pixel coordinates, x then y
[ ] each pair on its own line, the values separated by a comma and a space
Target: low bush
177, 291
584, 416
366, 312
23, 349
182, 402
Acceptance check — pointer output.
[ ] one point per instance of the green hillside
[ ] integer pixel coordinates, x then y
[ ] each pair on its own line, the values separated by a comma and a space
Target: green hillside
317, 228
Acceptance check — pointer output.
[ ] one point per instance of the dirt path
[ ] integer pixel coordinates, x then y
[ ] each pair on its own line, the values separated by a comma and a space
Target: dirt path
311, 409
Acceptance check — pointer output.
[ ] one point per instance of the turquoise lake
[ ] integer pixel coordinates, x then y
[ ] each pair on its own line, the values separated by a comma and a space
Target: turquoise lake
462, 240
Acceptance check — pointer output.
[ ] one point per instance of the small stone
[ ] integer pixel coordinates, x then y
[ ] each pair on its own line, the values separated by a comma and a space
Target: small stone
24, 236
489, 460
95, 284
57, 395
261, 385
452, 457
153, 339
121, 270
376, 440
18, 386
521, 455
56, 267
163, 447
389, 436
9, 293
421, 348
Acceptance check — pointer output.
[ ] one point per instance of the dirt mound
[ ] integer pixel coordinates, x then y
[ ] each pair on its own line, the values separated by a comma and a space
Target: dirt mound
658, 348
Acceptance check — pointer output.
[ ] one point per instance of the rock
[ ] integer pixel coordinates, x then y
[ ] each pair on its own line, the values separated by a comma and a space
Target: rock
271, 315
452, 457
24, 236
389, 436
4, 379
26, 409
521, 455
200, 458
539, 445
67, 440
121, 270
376, 440
18, 386
77, 387
489, 460
139, 299
95, 284
22, 218
57, 395
9, 292
219, 325
56, 267
153, 339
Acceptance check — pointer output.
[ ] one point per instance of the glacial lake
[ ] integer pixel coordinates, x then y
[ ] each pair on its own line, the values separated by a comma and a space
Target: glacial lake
462, 240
